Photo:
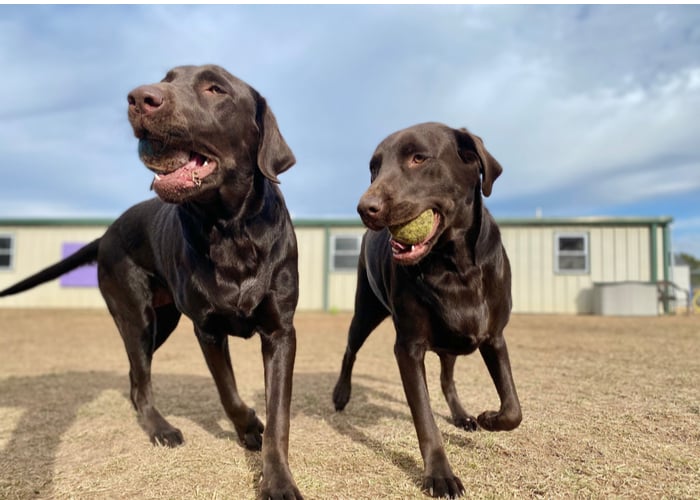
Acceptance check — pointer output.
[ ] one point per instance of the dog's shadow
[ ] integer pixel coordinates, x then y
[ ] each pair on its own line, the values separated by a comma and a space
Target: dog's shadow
48, 406
369, 408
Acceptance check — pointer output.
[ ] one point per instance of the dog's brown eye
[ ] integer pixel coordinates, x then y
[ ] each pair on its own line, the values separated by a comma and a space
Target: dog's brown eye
215, 89
418, 159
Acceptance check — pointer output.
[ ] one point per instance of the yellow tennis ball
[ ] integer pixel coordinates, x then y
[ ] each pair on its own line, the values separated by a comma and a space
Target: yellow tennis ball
414, 231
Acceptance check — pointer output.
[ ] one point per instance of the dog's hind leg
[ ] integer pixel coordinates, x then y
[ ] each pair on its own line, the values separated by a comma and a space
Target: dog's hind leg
509, 416
167, 318
459, 416
369, 312
216, 352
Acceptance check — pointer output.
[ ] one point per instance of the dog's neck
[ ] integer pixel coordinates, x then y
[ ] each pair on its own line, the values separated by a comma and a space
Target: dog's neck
473, 233
232, 209
465, 243
238, 199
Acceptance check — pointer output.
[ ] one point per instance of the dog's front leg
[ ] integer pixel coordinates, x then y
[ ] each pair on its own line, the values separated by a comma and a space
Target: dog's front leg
438, 479
216, 352
279, 350
509, 416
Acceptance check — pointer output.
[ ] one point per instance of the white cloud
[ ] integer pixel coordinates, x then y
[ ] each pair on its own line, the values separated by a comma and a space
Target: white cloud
598, 101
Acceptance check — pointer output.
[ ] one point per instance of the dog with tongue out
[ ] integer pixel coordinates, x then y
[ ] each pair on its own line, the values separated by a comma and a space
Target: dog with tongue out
217, 245
177, 173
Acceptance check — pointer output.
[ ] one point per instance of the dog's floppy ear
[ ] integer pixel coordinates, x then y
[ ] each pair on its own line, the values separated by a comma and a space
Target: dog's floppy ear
274, 155
470, 144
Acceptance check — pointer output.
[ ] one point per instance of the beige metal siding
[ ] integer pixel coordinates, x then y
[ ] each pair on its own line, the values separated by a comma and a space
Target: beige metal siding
38, 247
311, 242
618, 253
341, 291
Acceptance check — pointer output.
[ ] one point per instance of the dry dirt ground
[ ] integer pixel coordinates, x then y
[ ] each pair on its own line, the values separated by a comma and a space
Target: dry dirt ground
611, 409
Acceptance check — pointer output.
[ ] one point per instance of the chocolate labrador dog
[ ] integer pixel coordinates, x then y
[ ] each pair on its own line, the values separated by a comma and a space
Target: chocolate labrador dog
449, 293
216, 245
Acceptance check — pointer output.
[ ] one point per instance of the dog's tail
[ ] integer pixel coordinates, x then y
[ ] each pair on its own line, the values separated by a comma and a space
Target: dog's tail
85, 255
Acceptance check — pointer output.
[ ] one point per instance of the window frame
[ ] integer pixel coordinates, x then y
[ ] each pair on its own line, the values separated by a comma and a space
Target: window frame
9, 251
334, 252
586, 252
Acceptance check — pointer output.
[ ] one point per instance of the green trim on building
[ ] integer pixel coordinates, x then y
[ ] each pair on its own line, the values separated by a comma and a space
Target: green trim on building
587, 221
55, 222
509, 222
654, 251
327, 222
326, 265
356, 222
667, 266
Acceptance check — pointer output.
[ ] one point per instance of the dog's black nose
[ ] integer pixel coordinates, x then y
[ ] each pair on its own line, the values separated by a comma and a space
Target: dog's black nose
146, 99
370, 205
371, 208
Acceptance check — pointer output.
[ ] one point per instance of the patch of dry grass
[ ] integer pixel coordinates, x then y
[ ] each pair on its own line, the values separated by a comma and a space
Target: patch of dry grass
611, 409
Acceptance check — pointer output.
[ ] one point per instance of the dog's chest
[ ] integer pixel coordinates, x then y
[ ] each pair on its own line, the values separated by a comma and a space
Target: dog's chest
230, 282
457, 307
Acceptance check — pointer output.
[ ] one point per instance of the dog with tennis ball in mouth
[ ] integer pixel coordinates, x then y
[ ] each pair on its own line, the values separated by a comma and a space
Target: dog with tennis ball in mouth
414, 232
433, 260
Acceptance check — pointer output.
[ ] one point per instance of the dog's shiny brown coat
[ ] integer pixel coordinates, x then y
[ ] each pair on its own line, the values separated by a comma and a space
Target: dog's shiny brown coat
453, 300
223, 253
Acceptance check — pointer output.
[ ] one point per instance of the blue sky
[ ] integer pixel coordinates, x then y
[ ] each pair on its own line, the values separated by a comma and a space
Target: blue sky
591, 110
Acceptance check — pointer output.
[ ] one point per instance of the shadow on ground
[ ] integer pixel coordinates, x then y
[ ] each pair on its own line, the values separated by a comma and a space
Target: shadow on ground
50, 404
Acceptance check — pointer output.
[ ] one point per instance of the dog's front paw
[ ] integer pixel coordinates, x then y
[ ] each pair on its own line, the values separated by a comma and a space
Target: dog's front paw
443, 487
167, 436
466, 422
280, 489
499, 421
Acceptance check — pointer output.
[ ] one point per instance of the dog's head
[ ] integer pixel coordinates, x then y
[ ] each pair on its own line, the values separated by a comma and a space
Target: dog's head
428, 167
201, 129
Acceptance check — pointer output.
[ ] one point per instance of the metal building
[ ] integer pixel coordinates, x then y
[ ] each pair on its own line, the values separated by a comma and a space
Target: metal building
558, 265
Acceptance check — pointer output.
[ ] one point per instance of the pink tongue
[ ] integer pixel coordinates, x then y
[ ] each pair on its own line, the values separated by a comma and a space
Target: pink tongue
172, 186
399, 247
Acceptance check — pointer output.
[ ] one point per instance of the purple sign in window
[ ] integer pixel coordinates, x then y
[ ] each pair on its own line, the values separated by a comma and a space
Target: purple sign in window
83, 276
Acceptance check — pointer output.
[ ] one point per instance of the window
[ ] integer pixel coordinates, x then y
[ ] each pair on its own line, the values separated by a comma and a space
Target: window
571, 253
7, 246
345, 252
